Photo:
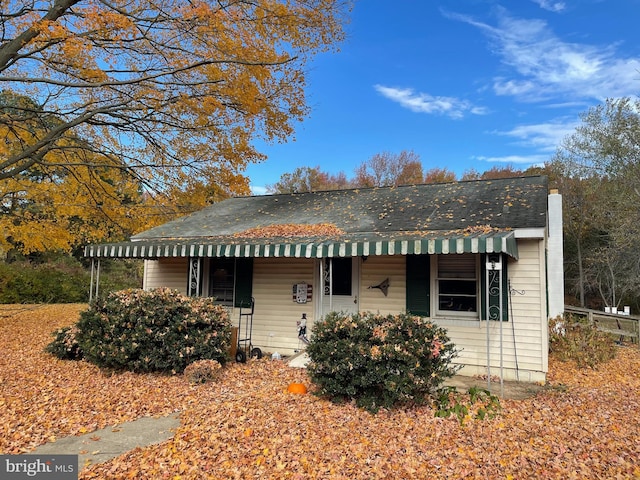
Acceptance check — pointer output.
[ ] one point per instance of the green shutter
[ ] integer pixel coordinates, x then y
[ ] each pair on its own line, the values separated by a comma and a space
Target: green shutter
494, 289
418, 285
244, 282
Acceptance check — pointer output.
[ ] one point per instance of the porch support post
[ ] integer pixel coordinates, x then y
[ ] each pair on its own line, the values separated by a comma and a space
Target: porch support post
194, 285
97, 289
500, 319
330, 284
493, 270
488, 314
321, 289
91, 282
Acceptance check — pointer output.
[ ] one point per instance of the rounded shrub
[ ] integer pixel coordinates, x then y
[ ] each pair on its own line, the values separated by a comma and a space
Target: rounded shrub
379, 361
153, 331
65, 344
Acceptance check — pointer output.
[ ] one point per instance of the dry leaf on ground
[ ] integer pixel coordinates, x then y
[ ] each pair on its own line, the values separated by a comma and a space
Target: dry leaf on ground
246, 425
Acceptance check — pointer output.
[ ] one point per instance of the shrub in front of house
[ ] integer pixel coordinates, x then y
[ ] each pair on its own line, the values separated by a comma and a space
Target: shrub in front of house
153, 331
572, 338
379, 361
65, 344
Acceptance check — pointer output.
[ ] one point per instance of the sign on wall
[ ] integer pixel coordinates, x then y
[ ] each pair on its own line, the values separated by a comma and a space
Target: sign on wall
302, 292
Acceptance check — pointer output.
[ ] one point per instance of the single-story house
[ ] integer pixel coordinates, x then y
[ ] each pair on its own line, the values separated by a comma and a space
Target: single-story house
481, 258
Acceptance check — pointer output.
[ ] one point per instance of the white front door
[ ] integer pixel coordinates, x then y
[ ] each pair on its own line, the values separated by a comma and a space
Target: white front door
340, 284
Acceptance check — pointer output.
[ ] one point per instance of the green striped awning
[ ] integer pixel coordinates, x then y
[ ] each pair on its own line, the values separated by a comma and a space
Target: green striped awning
495, 242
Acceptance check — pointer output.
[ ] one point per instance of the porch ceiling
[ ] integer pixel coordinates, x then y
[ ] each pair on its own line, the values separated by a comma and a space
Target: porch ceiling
347, 246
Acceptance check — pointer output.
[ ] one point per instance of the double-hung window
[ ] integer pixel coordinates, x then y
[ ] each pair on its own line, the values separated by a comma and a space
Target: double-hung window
456, 285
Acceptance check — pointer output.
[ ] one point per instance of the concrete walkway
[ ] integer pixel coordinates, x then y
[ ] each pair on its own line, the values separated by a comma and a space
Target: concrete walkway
103, 445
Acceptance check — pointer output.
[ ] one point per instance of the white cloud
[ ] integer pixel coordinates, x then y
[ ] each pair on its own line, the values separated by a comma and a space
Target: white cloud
425, 103
545, 67
257, 190
544, 137
515, 88
516, 159
551, 6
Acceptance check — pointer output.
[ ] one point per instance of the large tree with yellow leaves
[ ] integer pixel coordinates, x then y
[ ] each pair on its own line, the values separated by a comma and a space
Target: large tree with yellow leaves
154, 94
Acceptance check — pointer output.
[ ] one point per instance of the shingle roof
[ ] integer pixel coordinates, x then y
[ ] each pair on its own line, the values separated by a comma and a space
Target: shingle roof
474, 216
510, 203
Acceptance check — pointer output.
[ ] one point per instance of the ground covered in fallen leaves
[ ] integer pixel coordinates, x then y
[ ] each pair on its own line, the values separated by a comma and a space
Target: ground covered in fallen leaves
584, 424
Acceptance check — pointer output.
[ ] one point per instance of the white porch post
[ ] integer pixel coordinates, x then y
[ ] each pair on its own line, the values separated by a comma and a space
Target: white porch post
95, 267
330, 284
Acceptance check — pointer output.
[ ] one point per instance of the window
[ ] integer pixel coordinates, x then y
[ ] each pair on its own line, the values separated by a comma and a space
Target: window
230, 281
221, 276
457, 284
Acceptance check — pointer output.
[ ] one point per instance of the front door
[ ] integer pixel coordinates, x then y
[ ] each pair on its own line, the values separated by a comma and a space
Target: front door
341, 282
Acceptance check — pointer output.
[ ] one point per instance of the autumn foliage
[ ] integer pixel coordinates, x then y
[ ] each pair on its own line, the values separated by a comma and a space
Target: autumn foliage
575, 339
65, 343
202, 371
379, 361
582, 424
151, 331
104, 101
292, 230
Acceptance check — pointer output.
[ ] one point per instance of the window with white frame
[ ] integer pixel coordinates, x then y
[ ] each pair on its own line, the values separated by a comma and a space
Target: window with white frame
456, 284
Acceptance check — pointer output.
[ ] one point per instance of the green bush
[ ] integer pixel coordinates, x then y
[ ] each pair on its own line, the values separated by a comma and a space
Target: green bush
379, 361
120, 274
65, 344
63, 279
480, 404
26, 282
153, 331
574, 338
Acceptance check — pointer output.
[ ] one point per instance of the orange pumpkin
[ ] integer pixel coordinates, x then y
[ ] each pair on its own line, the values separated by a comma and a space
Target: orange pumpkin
299, 388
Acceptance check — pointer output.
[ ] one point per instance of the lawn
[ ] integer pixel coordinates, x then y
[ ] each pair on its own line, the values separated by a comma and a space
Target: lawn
585, 424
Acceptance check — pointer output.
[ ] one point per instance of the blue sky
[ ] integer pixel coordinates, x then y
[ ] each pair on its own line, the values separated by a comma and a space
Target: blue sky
462, 83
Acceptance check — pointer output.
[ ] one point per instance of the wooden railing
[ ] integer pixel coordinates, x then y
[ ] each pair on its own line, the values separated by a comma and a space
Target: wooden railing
615, 324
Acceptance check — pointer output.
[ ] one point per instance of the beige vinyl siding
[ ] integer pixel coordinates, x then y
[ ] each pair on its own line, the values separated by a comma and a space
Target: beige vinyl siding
527, 323
274, 321
375, 270
166, 272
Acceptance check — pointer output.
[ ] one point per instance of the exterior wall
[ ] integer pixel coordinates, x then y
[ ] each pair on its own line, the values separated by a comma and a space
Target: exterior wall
167, 272
373, 271
524, 336
276, 314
